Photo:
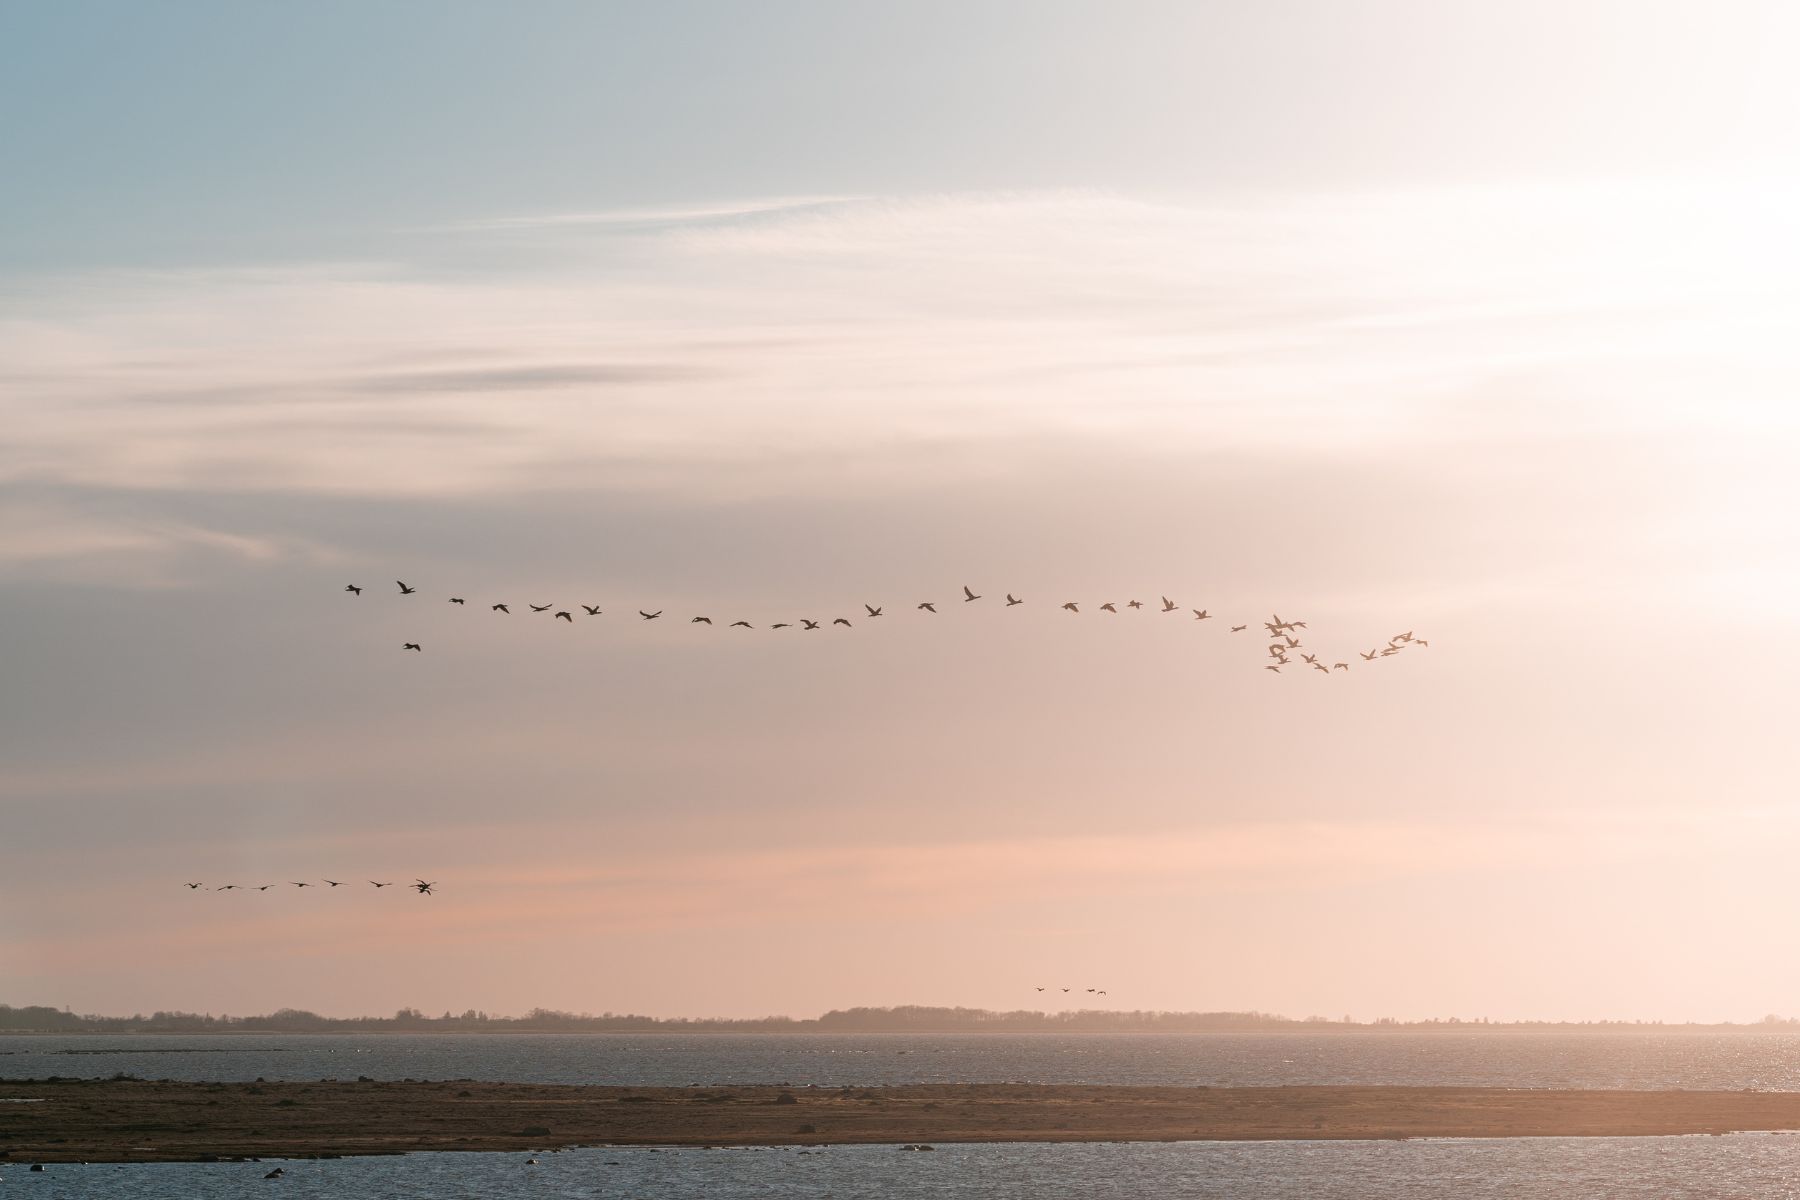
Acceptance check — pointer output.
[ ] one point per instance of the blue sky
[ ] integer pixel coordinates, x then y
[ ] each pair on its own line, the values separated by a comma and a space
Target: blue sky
1462, 318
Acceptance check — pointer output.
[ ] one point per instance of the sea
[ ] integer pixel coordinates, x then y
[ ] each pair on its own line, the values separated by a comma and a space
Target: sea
1737, 1165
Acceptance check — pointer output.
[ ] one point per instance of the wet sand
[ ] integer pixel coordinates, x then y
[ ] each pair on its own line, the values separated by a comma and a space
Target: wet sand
138, 1121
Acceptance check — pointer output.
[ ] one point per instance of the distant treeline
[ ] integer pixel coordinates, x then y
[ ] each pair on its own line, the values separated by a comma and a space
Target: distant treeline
905, 1019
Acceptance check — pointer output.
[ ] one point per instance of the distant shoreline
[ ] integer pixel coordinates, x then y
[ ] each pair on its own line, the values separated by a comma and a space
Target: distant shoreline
1295, 1029
144, 1121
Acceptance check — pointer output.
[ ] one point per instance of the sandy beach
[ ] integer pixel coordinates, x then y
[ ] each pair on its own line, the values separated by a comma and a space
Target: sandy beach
142, 1121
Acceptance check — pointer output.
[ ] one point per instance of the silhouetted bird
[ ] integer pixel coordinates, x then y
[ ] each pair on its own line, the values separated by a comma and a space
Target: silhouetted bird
1239, 628
1040, 989
809, 624
456, 599
537, 607
1200, 614
1369, 657
334, 883
390, 883
1110, 607
412, 646
593, 610
192, 886
1012, 600
229, 887
1275, 667
423, 888
1072, 606
1134, 604
701, 621
968, 595
1065, 989
1293, 642
300, 884
265, 887
873, 611
404, 590
1310, 658
929, 607
745, 624
1420, 642
1340, 666
650, 616
501, 608
782, 625
842, 621
1319, 666
1169, 605
563, 616
351, 587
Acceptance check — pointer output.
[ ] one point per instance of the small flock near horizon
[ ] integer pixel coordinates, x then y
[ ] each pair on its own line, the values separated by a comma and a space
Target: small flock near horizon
421, 886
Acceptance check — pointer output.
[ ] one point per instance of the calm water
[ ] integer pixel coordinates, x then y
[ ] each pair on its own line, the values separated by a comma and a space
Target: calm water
1746, 1165
1646, 1060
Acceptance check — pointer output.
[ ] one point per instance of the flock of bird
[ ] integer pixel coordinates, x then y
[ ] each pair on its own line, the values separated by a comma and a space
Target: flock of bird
1090, 991
420, 886
1282, 633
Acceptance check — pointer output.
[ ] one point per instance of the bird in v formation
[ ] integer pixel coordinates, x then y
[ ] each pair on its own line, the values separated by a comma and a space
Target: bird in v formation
1281, 630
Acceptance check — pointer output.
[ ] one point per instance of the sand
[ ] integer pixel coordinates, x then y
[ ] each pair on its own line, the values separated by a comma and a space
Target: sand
139, 1121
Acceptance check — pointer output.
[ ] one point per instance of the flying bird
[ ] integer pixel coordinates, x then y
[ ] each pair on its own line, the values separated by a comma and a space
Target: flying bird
1108, 607
192, 886
873, 611
650, 616
701, 621
1275, 667
563, 616
404, 590
1292, 641
1012, 600
537, 607
1131, 604
842, 621
265, 887
423, 888
1340, 666
1420, 642
1200, 614
1169, 605
1072, 606
929, 607
745, 624
411, 646
382, 885
1239, 628
1319, 666
1311, 658
1370, 656
501, 608
334, 883
456, 600
351, 587
782, 625
968, 595
229, 887
1040, 989
809, 624
593, 610
300, 884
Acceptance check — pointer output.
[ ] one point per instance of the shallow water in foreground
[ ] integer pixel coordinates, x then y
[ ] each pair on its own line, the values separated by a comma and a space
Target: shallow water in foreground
1742, 1165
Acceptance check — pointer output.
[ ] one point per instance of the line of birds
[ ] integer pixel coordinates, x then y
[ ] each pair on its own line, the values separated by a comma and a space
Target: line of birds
1280, 631
1091, 991
420, 886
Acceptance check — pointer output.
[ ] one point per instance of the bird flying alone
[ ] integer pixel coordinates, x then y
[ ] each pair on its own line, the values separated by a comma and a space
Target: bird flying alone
1072, 606
411, 646
352, 588
929, 607
809, 624
968, 595
1169, 605
701, 621
1200, 614
563, 616
593, 610
456, 600
873, 611
844, 621
1239, 628
1110, 607
404, 590
501, 608
1012, 600
650, 616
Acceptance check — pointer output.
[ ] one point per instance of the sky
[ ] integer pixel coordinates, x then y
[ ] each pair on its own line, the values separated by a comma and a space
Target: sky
1453, 318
